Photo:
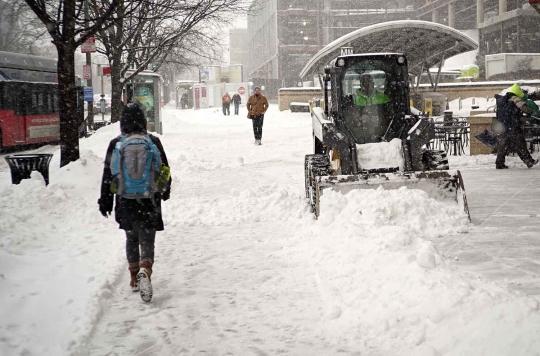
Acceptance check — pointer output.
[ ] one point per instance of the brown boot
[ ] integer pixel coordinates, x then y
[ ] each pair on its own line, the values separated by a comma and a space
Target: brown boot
147, 265
133, 270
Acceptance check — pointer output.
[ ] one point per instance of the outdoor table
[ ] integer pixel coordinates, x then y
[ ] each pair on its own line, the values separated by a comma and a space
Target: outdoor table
532, 136
453, 138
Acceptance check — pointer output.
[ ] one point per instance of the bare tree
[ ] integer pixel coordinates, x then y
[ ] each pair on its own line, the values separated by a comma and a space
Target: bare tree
194, 51
68, 27
158, 32
19, 27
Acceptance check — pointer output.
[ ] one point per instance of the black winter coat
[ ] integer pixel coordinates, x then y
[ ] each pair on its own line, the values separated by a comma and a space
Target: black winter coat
130, 211
508, 113
236, 99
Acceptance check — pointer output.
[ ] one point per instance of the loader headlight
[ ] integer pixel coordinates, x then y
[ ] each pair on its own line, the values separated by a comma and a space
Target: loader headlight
341, 62
401, 59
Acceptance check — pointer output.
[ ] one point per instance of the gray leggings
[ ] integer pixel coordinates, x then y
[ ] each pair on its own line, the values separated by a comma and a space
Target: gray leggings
143, 238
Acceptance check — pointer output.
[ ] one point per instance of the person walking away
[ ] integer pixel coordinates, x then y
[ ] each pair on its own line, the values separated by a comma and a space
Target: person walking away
137, 201
237, 100
509, 126
183, 101
226, 102
257, 106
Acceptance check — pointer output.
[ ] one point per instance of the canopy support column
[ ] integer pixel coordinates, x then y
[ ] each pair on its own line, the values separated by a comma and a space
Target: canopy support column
430, 77
420, 76
439, 72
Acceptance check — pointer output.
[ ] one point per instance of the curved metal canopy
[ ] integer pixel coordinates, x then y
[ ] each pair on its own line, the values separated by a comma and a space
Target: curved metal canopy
424, 44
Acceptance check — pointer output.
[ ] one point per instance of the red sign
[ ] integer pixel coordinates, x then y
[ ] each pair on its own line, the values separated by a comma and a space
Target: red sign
106, 70
203, 92
197, 99
87, 71
241, 90
89, 46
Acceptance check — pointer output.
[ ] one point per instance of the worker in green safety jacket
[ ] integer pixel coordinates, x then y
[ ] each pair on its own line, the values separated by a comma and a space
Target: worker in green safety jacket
367, 95
513, 110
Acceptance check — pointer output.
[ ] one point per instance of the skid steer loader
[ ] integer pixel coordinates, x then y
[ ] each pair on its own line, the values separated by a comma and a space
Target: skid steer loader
366, 136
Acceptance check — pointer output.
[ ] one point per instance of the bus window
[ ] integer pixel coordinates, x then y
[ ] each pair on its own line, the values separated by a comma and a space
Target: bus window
55, 102
31, 106
20, 101
40, 102
48, 102
7, 93
2, 96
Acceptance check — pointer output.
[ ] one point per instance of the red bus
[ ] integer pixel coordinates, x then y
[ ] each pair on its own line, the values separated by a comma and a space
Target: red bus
28, 100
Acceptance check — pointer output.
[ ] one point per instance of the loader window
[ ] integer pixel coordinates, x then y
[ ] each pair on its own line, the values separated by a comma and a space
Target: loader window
374, 92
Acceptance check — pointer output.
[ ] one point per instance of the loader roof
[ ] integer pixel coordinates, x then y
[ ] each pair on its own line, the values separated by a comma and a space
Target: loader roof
422, 42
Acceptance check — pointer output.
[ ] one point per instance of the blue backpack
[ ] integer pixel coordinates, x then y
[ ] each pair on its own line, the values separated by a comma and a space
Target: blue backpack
135, 165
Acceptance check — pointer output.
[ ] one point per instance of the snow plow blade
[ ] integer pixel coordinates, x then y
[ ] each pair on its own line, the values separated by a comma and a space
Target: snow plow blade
440, 185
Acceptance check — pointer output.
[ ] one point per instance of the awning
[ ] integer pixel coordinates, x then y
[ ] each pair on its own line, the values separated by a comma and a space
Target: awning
424, 44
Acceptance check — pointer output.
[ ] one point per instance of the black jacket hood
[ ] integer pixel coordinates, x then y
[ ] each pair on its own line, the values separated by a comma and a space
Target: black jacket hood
132, 119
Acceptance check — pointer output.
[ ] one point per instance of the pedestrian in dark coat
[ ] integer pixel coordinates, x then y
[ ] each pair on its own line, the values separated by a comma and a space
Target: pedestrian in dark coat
237, 100
510, 117
184, 101
140, 218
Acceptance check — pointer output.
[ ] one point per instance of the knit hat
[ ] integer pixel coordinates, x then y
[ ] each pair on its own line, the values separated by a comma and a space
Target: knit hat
516, 90
132, 119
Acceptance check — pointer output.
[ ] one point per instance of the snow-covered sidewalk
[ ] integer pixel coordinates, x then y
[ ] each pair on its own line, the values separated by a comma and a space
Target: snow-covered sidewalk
242, 267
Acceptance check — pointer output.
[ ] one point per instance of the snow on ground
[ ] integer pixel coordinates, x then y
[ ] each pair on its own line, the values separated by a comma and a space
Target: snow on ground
243, 268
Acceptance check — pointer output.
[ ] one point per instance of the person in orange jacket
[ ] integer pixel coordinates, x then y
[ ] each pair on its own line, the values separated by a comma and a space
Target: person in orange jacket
226, 103
257, 105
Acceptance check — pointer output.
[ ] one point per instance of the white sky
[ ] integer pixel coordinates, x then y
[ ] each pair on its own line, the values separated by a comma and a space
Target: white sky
242, 267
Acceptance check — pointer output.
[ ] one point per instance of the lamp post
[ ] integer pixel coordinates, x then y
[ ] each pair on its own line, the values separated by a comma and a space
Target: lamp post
535, 4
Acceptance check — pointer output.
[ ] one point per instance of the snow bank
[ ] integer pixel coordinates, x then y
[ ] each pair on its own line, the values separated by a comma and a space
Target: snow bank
384, 282
58, 257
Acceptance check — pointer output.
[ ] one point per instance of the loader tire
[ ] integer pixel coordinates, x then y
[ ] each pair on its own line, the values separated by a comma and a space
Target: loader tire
315, 165
435, 160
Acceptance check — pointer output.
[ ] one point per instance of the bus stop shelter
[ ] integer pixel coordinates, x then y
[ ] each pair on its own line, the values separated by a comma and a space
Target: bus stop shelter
425, 44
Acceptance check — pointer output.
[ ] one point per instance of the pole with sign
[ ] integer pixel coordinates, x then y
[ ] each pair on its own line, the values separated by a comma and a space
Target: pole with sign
89, 46
87, 71
88, 94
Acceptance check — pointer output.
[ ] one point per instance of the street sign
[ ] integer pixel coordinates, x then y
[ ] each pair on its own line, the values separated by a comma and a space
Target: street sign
106, 70
87, 71
241, 90
102, 105
89, 46
88, 94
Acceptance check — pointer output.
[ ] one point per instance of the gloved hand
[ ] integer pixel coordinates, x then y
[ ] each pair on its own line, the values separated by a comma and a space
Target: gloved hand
104, 207
533, 107
166, 195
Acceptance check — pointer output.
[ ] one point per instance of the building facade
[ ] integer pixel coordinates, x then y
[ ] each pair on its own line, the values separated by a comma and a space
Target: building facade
238, 48
284, 34
504, 26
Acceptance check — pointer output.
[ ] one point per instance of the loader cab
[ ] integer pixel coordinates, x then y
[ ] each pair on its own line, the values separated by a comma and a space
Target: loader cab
371, 91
